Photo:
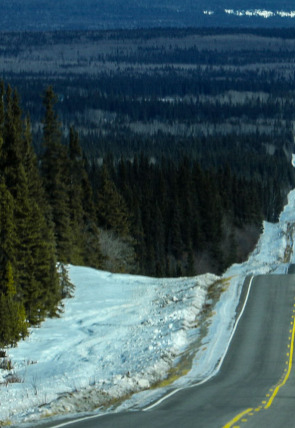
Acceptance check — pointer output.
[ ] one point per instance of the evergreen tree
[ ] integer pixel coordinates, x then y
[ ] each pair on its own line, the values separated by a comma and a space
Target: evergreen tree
13, 324
8, 235
82, 212
112, 210
30, 163
175, 239
11, 154
55, 176
43, 294
75, 197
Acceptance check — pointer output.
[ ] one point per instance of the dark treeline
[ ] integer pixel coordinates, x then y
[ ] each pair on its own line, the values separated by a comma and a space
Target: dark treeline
194, 110
24, 38
186, 219
161, 95
193, 55
246, 155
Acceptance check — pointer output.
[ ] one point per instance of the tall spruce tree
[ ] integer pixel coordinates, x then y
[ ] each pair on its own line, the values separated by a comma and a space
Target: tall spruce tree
112, 210
82, 212
44, 292
75, 197
55, 177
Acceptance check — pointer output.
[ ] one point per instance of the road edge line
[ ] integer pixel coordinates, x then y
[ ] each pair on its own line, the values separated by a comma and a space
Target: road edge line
217, 368
278, 386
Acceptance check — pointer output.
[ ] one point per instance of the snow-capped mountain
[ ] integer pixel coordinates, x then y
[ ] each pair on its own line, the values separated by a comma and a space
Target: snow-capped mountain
105, 14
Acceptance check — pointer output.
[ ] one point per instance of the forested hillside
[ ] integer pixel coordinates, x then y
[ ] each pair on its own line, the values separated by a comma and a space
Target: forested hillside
161, 218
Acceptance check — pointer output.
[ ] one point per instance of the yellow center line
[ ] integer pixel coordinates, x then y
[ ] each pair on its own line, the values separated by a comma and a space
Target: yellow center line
237, 418
278, 387
275, 389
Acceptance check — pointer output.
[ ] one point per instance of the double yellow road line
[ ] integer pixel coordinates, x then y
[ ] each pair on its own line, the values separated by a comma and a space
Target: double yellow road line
274, 390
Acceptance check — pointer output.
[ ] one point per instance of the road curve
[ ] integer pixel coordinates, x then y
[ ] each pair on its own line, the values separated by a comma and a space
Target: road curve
255, 386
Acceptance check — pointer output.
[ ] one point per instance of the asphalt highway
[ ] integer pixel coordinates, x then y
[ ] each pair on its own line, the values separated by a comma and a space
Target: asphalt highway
255, 386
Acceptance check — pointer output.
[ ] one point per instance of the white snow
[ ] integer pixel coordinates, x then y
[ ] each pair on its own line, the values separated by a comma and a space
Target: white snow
285, 14
120, 334
263, 13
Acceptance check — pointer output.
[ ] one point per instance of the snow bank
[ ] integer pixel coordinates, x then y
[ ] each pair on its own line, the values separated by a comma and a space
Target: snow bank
119, 334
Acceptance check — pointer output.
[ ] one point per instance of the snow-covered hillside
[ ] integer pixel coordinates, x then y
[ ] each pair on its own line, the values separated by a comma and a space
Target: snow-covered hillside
122, 334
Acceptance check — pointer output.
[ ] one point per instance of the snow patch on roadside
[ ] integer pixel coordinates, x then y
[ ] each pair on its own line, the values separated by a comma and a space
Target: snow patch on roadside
119, 334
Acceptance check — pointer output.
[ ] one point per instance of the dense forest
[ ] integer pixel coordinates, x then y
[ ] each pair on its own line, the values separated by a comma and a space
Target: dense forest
160, 218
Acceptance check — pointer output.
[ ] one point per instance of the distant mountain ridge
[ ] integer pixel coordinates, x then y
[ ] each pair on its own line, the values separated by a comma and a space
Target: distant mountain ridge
47, 15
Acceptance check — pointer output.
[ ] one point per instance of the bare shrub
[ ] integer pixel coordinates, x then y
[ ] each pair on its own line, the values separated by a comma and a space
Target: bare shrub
118, 252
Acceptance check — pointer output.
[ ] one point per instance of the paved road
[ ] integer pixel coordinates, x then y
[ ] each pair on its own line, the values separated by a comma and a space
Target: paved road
255, 374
